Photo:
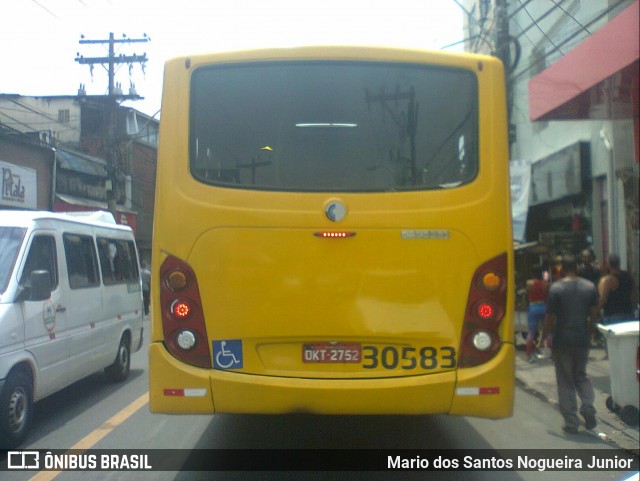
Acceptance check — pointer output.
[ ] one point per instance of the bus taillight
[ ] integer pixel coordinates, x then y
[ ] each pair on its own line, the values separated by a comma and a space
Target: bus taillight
185, 332
180, 309
486, 310
486, 307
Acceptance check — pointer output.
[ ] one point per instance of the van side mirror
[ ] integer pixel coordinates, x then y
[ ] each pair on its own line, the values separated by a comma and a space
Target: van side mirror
40, 289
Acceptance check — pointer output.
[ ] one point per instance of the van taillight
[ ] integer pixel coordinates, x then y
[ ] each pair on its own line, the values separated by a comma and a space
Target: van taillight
185, 332
486, 308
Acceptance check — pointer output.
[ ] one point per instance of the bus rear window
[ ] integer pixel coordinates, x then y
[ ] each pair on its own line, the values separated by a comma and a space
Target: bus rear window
334, 126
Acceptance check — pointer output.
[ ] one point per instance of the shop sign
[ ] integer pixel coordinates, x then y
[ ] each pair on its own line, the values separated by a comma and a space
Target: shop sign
19, 186
561, 174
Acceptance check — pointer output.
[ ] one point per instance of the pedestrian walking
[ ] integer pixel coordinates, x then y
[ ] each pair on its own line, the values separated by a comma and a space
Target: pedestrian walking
617, 293
556, 268
145, 275
537, 291
587, 269
571, 308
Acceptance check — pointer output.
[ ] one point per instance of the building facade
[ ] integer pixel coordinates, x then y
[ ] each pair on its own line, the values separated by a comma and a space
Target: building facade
27, 168
105, 155
572, 75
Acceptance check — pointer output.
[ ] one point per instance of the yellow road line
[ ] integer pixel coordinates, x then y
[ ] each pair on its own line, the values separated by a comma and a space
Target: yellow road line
97, 434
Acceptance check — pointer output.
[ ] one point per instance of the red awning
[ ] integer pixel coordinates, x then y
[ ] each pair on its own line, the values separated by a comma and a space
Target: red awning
572, 88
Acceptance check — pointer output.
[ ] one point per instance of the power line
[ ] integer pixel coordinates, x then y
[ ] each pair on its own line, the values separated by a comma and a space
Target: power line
45, 9
597, 18
542, 17
43, 114
479, 36
540, 28
572, 17
522, 5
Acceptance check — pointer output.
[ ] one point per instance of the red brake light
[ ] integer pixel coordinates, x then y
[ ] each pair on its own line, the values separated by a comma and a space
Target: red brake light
180, 309
486, 310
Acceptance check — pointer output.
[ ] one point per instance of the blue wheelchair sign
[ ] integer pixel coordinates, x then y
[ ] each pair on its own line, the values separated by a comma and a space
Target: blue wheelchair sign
227, 354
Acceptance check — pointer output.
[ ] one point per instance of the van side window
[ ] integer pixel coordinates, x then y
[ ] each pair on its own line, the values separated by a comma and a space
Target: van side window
118, 261
81, 261
42, 256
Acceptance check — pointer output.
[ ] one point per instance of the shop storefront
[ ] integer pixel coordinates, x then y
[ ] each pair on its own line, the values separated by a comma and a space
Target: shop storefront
598, 80
560, 200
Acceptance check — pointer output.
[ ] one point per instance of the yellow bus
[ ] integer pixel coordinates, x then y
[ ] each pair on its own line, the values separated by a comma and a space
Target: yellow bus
332, 235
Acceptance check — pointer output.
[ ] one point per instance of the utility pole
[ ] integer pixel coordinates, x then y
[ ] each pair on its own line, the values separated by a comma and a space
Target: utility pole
503, 52
111, 60
113, 97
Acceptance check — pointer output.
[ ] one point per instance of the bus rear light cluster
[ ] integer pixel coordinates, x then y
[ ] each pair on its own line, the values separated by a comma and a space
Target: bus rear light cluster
486, 308
183, 323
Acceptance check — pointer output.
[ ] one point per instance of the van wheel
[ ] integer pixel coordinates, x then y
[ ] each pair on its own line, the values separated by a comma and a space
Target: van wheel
119, 370
16, 409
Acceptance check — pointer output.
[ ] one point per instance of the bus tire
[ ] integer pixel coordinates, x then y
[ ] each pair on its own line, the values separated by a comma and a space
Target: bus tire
119, 370
16, 409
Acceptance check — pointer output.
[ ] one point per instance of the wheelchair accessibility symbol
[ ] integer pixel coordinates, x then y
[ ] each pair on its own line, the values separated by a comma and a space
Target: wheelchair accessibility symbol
227, 354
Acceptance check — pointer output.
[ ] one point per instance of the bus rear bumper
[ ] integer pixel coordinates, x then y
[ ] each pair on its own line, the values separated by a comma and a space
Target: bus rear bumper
177, 388
487, 390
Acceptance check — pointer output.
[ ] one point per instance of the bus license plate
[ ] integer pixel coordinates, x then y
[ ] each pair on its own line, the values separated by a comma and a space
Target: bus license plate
329, 352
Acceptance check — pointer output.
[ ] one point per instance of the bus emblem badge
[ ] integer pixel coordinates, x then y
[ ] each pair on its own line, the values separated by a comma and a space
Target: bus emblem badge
335, 211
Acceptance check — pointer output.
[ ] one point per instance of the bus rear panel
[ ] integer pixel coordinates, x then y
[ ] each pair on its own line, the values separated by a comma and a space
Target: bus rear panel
332, 235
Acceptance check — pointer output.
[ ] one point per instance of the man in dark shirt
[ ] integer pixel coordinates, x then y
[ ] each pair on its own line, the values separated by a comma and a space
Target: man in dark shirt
571, 307
617, 293
587, 270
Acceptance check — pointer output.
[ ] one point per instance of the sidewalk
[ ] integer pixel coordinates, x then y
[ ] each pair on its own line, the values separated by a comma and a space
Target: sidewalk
539, 378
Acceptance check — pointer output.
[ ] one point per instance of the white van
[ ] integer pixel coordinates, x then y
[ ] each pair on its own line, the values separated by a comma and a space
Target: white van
70, 304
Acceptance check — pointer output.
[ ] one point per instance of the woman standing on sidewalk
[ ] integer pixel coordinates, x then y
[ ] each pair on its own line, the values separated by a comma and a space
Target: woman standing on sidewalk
537, 291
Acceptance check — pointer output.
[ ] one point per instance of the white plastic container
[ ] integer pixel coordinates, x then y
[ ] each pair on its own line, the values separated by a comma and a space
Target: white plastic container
622, 344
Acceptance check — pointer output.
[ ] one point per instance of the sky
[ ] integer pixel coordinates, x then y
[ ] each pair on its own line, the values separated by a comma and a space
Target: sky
39, 39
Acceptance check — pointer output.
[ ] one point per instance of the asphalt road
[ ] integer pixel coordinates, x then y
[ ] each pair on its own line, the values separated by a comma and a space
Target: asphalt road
94, 414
